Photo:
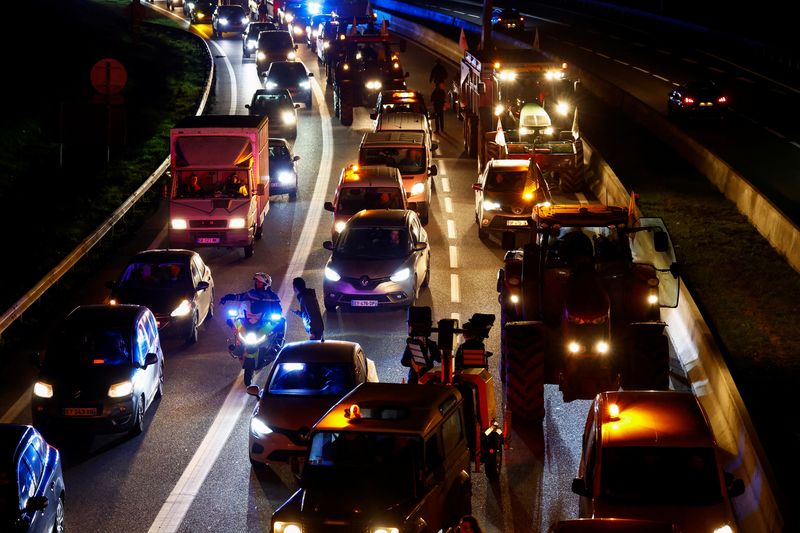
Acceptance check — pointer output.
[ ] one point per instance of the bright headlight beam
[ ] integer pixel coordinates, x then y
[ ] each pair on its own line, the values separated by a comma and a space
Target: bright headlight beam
331, 274
401, 275
183, 309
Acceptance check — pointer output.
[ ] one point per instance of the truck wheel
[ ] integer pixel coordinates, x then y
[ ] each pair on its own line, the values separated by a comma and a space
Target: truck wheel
522, 353
646, 358
427, 279
259, 232
571, 180
248, 250
346, 109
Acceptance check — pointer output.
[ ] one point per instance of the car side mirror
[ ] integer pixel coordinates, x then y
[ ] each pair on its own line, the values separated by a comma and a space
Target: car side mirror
432, 170
477, 187
420, 246
297, 106
329, 206
579, 487
310, 74
295, 47
328, 245
501, 280
247, 106
203, 285
150, 359
407, 74
36, 503
735, 486
434, 147
296, 158
253, 390
260, 189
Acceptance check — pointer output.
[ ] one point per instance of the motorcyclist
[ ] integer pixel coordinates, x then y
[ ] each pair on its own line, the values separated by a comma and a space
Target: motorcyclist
262, 292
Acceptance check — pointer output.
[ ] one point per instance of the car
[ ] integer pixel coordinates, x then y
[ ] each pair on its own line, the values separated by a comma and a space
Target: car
505, 194
380, 259
293, 76
274, 45
277, 104
171, 4
201, 11
391, 120
31, 482
250, 36
228, 19
651, 455
306, 380
312, 29
388, 457
701, 98
103, 370
327, 32
508, 20
282, 169
297, 27
612, 525
411, 101
175, 284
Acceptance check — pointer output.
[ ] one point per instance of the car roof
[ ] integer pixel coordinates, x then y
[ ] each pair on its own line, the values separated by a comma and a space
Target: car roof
399, 138
329, 351
379, 217
278, 141
653, 418
509, 164
107, 315
371, 176
399, 120
10, 437
423, 406
164, 254
288, 65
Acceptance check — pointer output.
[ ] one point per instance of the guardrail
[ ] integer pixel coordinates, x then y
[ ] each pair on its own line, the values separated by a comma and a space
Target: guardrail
758, 509
80, 251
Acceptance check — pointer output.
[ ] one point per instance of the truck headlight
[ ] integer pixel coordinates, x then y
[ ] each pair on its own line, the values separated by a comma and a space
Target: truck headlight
488, 205
120, 390
42, 389
179, 223
417, 188
498, 109
236, 223
339, 226
258, 428
183, 309
562, 108
574, 347
285, 177
548, 130
602, 347
331, 274
288, 118
287, 527
291, 56
401, 275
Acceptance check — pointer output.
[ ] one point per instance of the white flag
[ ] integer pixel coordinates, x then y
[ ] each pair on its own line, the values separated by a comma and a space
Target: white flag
500, 136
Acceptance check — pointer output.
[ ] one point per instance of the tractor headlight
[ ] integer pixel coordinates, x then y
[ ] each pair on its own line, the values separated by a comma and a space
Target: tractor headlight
236, 223
42, 389
183, 309
179, 223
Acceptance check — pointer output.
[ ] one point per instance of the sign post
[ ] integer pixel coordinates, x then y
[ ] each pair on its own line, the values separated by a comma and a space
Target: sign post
108, 77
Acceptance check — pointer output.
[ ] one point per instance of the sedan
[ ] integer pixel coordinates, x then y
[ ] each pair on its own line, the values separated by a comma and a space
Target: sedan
103, 370
282, 169
306, 380
31, 482
201, 11
277, 104
697, 99
228, 19
250, 36
381, 259
175, 284
292, 76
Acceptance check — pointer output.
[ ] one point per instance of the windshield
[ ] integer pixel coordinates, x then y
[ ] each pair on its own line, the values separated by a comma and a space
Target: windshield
407, 160
505, 181
660, 476
354, 199
231, 12
279, 152
601, 244
324, 379
212, 184
268, 104
287, 73
369, 52
373, 243
275, 40
89, 344
167, 275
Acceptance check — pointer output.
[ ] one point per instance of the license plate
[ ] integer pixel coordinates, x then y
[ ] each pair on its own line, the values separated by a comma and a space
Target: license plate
208, 240
516, 222
364, 303
80, 411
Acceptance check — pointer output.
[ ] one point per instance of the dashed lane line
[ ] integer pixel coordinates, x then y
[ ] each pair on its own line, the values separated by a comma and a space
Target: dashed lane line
664, 52
744, 79
621, 62
763, 77
640, 69
662, 78
795, 144
689, 60
448, 205
587, 49
455, 290
445, 185
715, 69
777, 134
603, 55
451, 229
453, 256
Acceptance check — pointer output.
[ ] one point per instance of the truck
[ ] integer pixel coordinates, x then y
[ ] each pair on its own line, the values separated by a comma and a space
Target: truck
219, 191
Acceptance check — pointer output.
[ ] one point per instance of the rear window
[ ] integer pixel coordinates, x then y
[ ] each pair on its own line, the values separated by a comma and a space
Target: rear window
354, 199
407, 160
275, 39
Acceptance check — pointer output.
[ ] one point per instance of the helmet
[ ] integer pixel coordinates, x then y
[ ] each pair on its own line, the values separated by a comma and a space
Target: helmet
263, 278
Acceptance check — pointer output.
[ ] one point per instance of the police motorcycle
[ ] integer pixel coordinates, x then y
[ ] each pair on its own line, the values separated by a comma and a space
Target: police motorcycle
257, 335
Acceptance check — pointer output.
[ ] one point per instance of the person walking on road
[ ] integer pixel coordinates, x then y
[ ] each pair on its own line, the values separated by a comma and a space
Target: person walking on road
309, 309
438, 98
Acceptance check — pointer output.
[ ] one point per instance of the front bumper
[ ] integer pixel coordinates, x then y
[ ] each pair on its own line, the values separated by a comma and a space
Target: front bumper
174, 326
112, 415
347, 293
500, 221
275, 448
203, 238
276, 187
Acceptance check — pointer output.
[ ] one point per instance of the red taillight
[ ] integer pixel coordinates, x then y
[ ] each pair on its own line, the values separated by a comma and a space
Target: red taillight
688, 101
722, 100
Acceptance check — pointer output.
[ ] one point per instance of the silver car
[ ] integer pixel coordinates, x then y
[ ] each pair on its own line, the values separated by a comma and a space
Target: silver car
381, 259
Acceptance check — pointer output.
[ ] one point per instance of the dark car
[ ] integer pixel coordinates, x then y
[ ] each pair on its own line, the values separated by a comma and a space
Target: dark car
282, 169
298, 27
200, 12
228, 19
250, 36
277, 104
697, 99
103, 369
175, 284
312, 29
31, 482
508, 20
274, 45
292, 76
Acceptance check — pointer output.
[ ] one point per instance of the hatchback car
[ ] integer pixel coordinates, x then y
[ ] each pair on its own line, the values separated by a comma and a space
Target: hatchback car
697, 99
176, 285
278, 105
274, 45
292, 76
102, 371
201, 11
250, 36
282, 168
381, 259
307, 379
228, 19
31, 482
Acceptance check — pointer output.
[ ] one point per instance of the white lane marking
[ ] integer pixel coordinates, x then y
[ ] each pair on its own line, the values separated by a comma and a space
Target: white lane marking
662, 78
448, 205
639, 45
779, 92
744, 116
231, 76
676, 84
664, 52
459, 12
180, 499
19, 406
451, 229
775, 133
457, 316
603, 55
445, 185
795, 143
473, 16
717, 70
621, 62
783, 85
441, 167
689, 60
551, 21
453, 257
640, 69
746, 80
569, 43
587, 49
616, 37
455, 290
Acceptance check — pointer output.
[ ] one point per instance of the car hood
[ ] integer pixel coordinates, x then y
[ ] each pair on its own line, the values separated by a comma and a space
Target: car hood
509, 200
702, 518
372, 268
160, 302
351, 506
90, 381
294, 412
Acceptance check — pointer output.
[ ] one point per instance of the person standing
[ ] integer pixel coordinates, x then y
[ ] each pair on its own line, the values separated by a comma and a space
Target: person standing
438, 73
309, 309
438, 98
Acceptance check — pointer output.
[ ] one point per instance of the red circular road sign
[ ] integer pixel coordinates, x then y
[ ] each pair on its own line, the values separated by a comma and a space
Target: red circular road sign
108, 76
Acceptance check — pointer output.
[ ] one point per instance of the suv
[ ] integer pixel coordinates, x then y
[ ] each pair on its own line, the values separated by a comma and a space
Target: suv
370, 187
387, 457
409, 152
274, 45
228, 19
652, 455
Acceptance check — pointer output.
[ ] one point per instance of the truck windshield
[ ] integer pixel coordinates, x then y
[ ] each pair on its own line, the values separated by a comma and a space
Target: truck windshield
407, 160
209, 166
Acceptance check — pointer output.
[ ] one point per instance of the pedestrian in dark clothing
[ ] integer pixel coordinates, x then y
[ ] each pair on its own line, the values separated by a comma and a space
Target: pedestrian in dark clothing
309, 309
438, 73
438, 98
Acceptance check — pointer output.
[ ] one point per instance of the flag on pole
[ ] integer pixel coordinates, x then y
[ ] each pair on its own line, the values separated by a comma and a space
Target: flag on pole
633, 216
500, 136
536, 39
384, 28
462, 41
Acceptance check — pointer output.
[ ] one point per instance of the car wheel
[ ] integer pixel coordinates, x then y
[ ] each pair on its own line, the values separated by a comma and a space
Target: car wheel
245, 52
330, 306
415, 290
58, 523
482, 233
293, 134
424, 215
191, 338
427, 279
293, 193
160, 389
138, 421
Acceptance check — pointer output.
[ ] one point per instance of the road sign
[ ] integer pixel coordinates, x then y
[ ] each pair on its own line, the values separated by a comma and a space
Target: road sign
108, 76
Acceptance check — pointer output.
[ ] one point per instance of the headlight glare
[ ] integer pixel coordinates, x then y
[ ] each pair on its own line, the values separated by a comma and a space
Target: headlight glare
120, 390
562, 108
339, 226
179, 223
724, 529
401, 275
259, 428
602, 347
223, 21
488, 205
287, 527
270, 85
236, 223
288, 118
285, 177
417, 188
305, 85
42, 389
183, 309
291, 56
331, 274
574, 347
383, 529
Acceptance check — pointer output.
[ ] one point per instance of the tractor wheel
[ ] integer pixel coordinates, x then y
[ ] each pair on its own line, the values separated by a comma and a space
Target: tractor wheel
522, 354
572, 180
645, 364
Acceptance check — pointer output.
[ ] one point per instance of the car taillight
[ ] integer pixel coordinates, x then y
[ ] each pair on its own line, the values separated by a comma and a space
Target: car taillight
688, 101
722, 100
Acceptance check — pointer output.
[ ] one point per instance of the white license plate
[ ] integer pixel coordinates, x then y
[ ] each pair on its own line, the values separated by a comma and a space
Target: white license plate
80, 411
516, 222
208, 240
364, 303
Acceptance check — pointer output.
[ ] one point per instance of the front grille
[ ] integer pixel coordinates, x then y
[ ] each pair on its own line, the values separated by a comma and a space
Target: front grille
215, 223
371, 282
347, 298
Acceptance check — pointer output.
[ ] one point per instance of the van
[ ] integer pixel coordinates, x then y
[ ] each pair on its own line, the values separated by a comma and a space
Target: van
410, 153
369, 187
405, 121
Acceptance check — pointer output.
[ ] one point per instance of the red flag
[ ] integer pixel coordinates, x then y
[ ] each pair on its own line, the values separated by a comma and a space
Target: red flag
353, 30
462, 41
500, 136
536, 39
633, 216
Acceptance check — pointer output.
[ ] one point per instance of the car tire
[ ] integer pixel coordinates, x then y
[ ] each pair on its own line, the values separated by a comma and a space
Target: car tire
210, 312
424, 215
138, 421
427, 279
160, 389
245, 52
248, 250
293, 134
293, 193
482, 233
191, 338
330, 306
58, 523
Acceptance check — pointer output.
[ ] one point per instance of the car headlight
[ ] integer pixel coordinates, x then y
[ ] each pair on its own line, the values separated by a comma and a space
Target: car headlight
395, 65
331, 274
179, 223
724, 529
297, 30
42, 389
488, 205
602, 347
224, 22
305, 85
417, 188
401, 275
236, 223
270, 85
288, 17
251, 45
288, 118
373, 85
183, 309
291, 56
285, 177
251, 339
261, 56
287, 527
245, 20
562, 108
259, 428
325, 45
339, 226
383, 529
514, 299
120, 390
314, 8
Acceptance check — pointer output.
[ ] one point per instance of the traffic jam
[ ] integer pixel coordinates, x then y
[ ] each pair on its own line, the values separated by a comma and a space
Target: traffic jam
359, 393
